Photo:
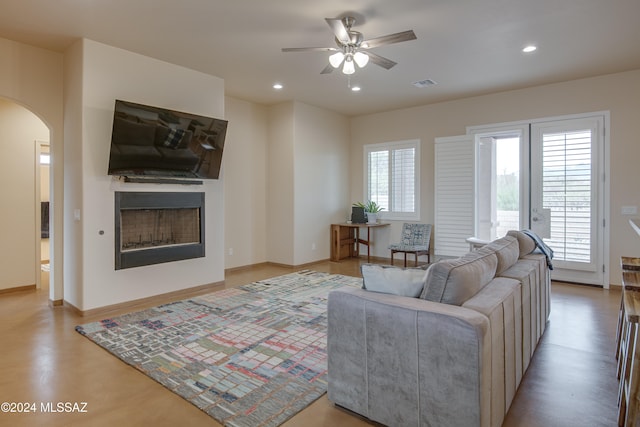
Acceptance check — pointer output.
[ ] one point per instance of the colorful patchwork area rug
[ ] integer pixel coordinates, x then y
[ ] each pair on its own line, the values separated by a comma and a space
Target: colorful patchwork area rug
248, 356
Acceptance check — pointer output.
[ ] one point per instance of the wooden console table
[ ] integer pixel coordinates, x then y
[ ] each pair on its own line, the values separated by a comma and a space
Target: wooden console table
345, 240
628, 343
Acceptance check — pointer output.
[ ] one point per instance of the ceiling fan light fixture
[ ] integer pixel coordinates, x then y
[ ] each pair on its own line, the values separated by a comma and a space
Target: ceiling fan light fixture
361, 59
349, 67
336, 59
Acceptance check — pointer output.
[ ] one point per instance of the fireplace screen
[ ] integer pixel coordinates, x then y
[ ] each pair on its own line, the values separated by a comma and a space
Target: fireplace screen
151, 228
156, 227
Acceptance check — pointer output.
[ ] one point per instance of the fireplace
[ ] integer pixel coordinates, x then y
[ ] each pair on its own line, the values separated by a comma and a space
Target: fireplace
157, 227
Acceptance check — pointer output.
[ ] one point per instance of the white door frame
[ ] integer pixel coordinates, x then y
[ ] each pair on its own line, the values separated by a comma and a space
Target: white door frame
604, 159
38, 223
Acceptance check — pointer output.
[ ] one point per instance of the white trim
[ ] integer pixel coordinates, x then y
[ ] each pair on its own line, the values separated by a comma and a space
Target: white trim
38, 144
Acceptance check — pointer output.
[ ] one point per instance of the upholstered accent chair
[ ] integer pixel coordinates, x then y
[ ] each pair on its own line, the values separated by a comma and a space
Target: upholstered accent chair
415, 239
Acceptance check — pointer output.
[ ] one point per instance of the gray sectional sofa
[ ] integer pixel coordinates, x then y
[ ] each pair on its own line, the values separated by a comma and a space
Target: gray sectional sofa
453, 356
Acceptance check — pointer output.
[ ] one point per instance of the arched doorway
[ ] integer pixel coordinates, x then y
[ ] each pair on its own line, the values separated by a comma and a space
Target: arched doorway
22, 138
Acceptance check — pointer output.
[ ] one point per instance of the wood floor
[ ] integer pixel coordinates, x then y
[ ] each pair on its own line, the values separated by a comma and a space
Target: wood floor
570, 382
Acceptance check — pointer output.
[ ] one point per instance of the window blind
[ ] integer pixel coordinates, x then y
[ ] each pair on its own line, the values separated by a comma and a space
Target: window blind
403, 180
567, 185
392, 178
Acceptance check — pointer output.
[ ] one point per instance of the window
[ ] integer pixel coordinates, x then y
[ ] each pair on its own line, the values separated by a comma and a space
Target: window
392, 177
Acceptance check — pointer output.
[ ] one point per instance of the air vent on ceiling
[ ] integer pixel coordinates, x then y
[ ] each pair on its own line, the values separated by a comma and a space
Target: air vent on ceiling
425, 83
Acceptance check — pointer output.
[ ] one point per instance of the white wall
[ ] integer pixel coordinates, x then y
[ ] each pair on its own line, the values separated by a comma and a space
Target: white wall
19, 129
618, 93
32, 77
104, 74
321, 176
280, 175
245, 180
73, 142
308, 163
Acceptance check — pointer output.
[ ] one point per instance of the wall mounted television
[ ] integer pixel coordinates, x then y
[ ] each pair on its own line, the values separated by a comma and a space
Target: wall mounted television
157, 143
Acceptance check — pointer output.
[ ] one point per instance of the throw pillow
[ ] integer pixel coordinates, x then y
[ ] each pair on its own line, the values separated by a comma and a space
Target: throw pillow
393, 280
173, 138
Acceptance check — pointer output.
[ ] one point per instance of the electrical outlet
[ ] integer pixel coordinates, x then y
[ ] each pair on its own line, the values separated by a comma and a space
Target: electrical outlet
230, 251
313, 246
629, 210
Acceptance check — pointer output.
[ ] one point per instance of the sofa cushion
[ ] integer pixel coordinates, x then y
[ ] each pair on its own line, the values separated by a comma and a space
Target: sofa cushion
393, 280
453, 281
526, 243
126, 132
526, 273
507, 251
501, 302
139, 152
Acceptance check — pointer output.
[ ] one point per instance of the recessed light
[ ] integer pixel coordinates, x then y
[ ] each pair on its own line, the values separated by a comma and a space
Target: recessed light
355, 88
277, 86
529, 49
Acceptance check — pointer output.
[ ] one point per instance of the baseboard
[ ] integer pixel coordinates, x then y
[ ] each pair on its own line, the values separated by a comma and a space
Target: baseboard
298, 266
245, 267
149, 301
273, 264
18, 289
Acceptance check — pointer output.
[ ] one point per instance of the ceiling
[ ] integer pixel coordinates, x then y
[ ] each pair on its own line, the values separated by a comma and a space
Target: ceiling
469, 47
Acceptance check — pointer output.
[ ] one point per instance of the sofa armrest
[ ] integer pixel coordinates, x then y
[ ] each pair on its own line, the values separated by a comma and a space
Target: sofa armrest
407, 361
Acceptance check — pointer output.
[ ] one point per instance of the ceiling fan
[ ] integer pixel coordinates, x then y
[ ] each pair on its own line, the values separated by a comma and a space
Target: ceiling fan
351, 47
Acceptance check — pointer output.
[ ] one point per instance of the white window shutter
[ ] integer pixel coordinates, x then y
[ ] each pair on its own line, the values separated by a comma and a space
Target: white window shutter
392, 178
454, 195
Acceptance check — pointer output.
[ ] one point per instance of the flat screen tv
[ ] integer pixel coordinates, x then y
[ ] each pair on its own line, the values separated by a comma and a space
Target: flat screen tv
153, 142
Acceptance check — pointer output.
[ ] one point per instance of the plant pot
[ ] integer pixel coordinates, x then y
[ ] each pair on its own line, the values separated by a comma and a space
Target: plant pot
372, 218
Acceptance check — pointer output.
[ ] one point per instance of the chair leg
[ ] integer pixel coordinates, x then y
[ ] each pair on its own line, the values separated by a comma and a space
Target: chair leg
405, 260
391, 257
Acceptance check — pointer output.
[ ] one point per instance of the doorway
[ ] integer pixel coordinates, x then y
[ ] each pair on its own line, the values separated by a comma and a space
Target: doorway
43, 209
21, 135
547, 175
567, 195
499, 195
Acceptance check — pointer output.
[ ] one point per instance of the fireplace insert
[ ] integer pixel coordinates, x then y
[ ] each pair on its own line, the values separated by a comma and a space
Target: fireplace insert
158, 227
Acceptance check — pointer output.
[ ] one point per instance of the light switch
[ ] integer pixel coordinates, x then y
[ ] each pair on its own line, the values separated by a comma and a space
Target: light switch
629, 210
76, 214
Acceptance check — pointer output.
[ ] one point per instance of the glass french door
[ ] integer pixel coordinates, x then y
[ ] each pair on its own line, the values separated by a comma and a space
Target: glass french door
501, 183
567, 195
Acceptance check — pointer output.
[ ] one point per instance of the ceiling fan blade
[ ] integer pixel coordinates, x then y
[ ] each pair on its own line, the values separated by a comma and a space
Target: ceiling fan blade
328, 69
308, 49
339, 29
389, 39
381, 60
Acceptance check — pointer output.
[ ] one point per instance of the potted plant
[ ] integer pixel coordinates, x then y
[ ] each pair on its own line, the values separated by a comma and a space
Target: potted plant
372, 209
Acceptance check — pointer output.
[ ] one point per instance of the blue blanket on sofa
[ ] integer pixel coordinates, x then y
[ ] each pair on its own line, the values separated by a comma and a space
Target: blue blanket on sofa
542, 247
